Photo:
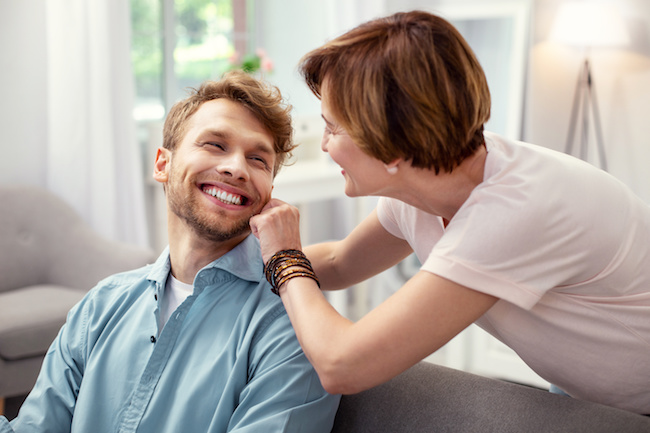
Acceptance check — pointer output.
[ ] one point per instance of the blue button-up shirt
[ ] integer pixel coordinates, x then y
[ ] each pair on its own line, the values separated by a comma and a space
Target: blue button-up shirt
227, 360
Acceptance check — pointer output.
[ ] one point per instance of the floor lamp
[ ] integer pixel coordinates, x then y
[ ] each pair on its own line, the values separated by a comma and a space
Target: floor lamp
584, 101
587, 24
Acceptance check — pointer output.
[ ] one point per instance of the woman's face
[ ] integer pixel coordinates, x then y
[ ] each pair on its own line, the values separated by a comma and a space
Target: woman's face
364, 174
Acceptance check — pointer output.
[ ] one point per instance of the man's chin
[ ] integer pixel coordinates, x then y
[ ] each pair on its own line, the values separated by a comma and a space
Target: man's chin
219, 233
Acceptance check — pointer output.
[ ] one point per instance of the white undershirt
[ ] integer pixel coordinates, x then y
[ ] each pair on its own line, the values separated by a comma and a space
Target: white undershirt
175, 293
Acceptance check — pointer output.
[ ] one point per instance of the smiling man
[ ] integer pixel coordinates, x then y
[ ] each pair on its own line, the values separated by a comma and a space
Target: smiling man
195, 342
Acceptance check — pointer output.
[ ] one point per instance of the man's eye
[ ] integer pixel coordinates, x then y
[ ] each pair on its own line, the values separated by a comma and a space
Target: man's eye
260, 160
217, 145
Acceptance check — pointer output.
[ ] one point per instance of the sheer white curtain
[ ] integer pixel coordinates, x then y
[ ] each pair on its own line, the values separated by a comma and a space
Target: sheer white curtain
93, 159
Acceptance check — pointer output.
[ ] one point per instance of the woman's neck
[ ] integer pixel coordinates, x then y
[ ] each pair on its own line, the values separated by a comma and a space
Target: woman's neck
441, 194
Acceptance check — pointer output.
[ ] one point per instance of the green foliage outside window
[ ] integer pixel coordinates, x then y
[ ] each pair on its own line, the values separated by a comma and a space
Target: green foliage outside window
203, 44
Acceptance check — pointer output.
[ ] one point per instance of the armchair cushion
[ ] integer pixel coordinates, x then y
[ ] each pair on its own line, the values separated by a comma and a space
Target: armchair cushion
32, 317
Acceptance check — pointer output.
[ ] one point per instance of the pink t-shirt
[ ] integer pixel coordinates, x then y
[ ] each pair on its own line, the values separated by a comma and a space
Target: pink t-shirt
566, 247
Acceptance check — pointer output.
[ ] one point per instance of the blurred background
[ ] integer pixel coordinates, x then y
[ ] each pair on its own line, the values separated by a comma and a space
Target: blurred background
86, 86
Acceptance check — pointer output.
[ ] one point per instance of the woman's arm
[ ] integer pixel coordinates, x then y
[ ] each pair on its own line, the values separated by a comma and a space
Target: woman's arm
417, 320
350, 357
365, 252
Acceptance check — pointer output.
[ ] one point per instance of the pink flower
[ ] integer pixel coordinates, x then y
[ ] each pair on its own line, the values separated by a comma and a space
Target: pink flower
234, 58
266, 64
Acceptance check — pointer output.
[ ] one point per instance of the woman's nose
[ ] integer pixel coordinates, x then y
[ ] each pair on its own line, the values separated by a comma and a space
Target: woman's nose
323, 142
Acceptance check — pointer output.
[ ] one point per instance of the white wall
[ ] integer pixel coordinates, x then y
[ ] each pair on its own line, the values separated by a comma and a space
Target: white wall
23, 101
288, 29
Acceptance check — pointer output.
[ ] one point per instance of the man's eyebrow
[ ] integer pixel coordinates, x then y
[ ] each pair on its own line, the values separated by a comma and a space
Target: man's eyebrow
264, 148
216, 133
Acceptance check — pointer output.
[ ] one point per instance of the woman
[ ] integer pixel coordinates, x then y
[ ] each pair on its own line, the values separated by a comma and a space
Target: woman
544, 251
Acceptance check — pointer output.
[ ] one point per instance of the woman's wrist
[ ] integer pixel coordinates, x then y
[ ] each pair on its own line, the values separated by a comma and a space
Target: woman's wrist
285, 265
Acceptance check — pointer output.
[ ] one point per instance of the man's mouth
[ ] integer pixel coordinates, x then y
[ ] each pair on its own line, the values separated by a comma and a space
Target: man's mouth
223, 196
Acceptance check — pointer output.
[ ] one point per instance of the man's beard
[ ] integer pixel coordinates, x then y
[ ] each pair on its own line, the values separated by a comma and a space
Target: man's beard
185, 207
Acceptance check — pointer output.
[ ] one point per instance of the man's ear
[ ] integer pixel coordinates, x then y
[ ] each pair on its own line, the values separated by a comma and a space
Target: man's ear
160, 167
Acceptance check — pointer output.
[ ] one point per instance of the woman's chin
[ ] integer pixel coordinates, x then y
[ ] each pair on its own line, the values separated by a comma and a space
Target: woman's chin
350, 191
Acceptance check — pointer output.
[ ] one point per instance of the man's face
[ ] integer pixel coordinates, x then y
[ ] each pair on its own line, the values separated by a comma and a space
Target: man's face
221, 173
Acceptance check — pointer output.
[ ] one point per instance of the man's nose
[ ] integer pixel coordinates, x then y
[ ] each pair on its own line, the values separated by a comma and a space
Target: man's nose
234, 165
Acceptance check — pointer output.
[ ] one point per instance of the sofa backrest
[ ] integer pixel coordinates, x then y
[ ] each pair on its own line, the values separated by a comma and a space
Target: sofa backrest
431, 398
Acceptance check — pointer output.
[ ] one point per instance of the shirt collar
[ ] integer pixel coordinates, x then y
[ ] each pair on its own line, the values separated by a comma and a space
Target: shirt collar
244, 262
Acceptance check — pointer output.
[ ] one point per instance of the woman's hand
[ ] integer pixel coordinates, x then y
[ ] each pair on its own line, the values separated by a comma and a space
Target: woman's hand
277, 227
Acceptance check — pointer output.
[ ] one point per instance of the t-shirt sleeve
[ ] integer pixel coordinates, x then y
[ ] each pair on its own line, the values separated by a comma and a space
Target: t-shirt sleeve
387, 218
514, 250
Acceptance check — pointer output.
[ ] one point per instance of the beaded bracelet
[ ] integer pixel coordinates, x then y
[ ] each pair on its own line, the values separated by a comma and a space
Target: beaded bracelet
291, 273
282, 258
270, 266
287, 264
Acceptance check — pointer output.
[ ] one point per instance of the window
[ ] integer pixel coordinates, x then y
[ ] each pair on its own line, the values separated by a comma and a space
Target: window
177, 44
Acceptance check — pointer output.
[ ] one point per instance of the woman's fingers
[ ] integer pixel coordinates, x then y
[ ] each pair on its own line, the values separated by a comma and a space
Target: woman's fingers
277, 227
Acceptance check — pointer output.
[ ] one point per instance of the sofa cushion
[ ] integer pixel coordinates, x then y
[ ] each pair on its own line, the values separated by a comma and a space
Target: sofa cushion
31, 317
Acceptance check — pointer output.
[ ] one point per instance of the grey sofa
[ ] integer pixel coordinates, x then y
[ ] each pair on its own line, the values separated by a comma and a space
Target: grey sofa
49, 258
431, 398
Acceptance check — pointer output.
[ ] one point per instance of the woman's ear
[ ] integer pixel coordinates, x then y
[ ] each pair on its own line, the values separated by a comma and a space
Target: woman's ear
160, 167
393, 166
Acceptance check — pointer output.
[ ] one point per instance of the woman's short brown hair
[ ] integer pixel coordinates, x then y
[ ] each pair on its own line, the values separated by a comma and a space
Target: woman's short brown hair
262, 99
405, 86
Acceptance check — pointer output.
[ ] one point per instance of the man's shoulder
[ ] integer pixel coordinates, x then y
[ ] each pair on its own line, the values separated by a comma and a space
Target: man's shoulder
122, 285
267, 311
125, 279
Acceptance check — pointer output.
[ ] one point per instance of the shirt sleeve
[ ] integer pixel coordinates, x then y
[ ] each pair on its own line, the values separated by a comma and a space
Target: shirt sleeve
283, 393
51, 403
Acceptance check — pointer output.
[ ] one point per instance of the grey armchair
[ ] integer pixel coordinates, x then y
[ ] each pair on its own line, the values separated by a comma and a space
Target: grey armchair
49, 258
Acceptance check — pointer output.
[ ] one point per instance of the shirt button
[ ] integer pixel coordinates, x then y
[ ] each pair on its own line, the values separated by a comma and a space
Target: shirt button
153, 339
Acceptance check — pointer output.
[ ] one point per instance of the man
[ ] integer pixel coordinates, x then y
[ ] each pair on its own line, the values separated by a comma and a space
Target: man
195, 342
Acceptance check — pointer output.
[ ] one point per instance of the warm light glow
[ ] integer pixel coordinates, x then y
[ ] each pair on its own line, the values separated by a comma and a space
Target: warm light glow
589, 24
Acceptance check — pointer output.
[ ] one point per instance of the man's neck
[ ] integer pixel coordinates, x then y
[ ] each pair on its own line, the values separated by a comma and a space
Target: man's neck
189, 253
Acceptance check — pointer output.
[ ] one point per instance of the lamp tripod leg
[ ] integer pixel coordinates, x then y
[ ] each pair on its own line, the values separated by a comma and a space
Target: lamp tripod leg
577, 100
597, 126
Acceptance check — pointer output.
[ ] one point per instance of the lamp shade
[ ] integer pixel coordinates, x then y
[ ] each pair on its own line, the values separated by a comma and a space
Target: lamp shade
589, 24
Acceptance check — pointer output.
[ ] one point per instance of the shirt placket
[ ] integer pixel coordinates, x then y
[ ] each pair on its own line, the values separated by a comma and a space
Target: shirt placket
152, 372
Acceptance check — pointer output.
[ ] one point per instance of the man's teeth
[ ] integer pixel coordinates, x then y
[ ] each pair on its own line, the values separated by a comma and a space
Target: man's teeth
224, 196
